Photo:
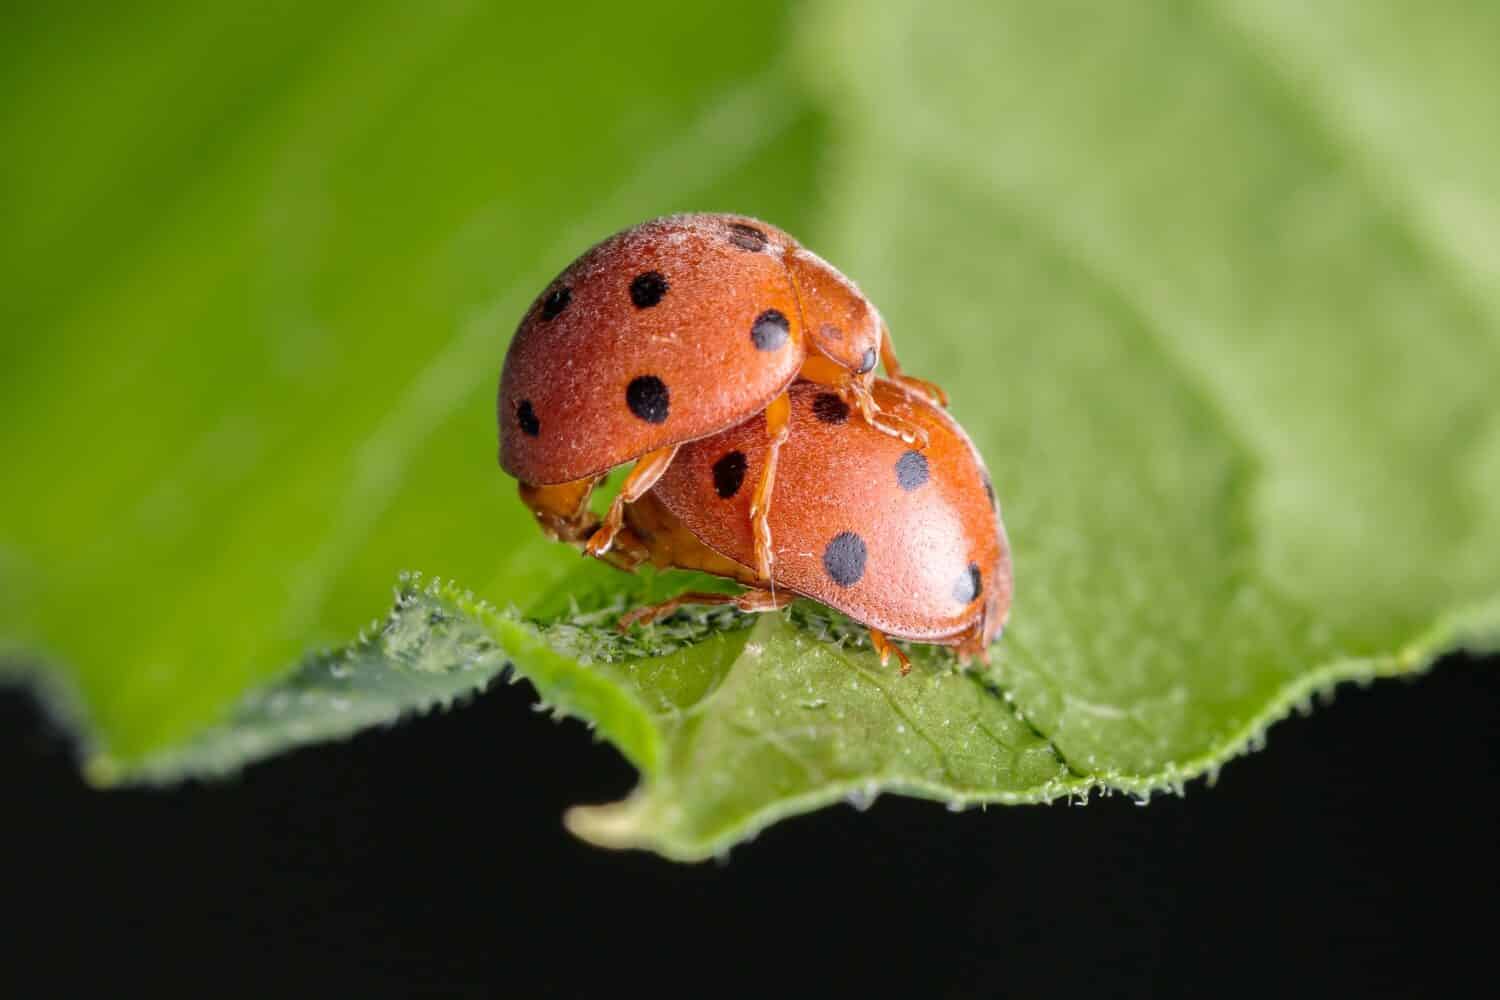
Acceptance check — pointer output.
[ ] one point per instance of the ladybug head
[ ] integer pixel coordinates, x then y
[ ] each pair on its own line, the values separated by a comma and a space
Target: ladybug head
841, 323
854, 346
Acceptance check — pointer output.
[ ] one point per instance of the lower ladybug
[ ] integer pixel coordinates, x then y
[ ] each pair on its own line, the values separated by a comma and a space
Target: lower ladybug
667, 332
907, 542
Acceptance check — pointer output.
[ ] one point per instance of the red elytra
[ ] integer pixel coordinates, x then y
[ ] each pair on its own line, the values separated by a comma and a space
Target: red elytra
668, 332
907, 542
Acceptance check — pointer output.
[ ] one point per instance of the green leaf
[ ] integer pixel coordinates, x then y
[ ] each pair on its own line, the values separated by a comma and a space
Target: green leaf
1236, 390
258, 288
1213, 287
733, 720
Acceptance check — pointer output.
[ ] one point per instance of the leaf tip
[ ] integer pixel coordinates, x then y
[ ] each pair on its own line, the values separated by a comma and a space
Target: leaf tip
615, 825
102, 771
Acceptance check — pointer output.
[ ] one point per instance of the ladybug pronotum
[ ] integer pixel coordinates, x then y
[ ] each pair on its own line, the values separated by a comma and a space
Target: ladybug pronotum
668, 332
907, 542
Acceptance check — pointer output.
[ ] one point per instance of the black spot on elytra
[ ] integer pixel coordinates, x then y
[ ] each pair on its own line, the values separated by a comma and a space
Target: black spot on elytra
747, 237
911, 470
526, 419
844, 558
968, 586
729, 474
829, 408
866, 362
556, 302
648, 399
770, 330
647, 289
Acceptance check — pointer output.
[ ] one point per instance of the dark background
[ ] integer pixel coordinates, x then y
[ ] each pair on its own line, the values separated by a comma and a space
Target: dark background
1354, 855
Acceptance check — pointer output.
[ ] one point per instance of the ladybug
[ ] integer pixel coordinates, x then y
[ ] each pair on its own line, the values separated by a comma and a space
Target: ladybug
908, 542
670, 331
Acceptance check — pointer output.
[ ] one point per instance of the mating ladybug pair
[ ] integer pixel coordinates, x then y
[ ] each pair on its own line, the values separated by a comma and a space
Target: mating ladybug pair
736, 369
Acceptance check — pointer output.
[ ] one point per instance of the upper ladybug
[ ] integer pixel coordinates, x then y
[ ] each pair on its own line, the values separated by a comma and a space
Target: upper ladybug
667, 332
907, 542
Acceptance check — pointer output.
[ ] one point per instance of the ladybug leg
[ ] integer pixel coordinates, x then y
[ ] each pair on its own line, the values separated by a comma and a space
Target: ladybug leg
855, 390
857, 394
895, 374
971, 644
751, 601
627, 552
778, 417
648, 469
885, 648
562, 510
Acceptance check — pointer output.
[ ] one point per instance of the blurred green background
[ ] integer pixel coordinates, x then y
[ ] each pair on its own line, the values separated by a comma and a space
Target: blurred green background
1213, 285
262, 265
